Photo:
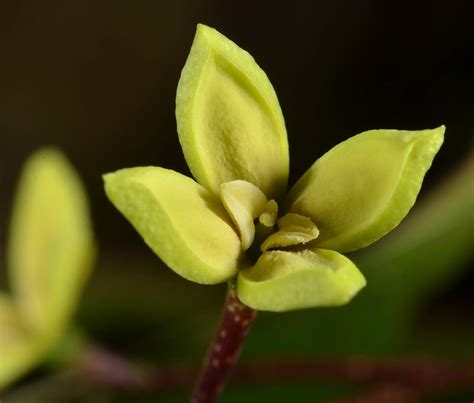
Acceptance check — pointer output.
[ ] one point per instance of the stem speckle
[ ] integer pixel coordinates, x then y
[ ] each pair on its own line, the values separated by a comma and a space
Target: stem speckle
223, 354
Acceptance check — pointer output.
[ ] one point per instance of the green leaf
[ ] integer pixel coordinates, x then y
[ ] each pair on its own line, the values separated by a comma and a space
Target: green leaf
230, 124
283, 281
51, 246
364, 187
182, 222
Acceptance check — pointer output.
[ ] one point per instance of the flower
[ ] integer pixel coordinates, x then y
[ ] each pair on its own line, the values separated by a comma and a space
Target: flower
225, 224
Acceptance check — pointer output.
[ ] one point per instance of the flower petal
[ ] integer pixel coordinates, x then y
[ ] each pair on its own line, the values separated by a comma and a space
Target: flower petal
51, 248
182, 222
244, 202
363, 187
229, 120
283, 281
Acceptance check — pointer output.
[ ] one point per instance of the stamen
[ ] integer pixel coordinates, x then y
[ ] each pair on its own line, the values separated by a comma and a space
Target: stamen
294, 229
270, 215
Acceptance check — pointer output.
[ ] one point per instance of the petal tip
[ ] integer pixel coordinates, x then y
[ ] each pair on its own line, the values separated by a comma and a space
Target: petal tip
439, 133
203, 28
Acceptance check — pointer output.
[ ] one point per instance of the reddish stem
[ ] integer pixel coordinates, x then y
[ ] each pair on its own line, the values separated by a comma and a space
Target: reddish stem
225, 350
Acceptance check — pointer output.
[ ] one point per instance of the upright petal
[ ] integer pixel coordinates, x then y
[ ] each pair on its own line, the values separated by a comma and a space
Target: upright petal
363, 187
284, 281
229, 120
182, 222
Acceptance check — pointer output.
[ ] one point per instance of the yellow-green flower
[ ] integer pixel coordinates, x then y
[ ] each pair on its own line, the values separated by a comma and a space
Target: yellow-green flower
237, 220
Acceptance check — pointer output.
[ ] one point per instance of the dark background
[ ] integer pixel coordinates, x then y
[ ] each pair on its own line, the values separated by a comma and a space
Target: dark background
98, 79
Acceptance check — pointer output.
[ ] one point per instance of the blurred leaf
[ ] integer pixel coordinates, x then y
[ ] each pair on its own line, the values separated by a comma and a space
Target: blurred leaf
51, 242
432, 246
51, 252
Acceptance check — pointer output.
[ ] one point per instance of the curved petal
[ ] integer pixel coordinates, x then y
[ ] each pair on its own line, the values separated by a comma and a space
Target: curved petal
363, 187
184, 224
283, 281
51, 245
229, 120
244, 202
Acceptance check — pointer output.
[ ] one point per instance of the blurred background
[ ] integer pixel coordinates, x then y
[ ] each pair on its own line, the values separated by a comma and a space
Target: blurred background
98, 79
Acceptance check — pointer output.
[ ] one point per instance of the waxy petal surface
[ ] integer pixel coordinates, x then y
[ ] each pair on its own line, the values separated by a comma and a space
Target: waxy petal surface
230, 124
363, 187
283, 281
181, 221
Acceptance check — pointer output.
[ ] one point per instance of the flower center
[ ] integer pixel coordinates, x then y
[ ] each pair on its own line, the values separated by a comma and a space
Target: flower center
246, 203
